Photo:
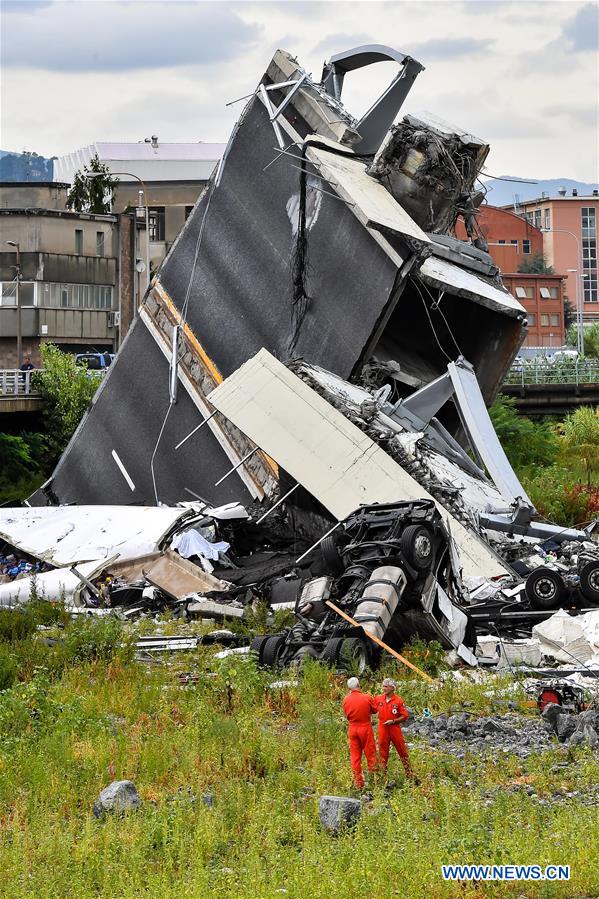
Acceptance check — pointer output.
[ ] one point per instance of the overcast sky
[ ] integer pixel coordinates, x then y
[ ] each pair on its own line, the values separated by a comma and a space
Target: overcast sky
522, 75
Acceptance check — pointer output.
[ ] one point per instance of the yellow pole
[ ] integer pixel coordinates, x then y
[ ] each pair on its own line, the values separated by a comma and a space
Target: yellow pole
378, 642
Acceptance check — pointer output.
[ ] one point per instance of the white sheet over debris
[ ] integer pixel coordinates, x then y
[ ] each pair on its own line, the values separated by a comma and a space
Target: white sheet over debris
337, 463
444, 275
63, 535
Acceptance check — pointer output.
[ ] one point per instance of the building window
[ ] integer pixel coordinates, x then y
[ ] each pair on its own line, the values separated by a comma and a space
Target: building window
526, 247
75, 296
532, 320
525, 293
501, 242
156, 223
537, 218
546, 218
78, 242
544, 319
589, 253
528, 217
554, 319
99, 243
8, 293
514, 243
554, 293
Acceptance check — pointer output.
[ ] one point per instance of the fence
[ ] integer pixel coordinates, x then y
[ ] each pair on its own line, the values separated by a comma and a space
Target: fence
543, 371
14, 382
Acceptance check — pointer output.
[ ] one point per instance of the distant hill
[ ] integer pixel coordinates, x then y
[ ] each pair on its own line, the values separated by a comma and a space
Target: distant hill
500, 193
25, 167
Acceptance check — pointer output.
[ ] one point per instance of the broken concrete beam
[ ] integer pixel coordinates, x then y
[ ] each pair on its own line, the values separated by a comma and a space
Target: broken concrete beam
118, 797
206, 608
338, 813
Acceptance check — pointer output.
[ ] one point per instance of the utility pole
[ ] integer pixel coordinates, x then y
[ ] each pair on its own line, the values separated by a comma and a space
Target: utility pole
16, 245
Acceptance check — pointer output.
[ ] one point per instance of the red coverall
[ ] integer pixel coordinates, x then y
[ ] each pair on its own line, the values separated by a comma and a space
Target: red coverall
392, 708
358, 707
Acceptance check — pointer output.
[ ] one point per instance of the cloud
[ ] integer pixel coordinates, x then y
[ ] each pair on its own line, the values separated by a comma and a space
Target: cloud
449, 48
24, 7
580, 115
337, 43
582, 30
100, 36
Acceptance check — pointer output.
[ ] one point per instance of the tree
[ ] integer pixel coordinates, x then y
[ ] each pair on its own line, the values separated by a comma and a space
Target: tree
536, 265
525, 442
92, 194
67, 390
590, 339
569, 313
580, 438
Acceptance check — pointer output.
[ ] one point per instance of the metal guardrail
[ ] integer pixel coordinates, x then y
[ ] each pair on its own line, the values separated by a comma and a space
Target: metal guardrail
14, 382
573, 372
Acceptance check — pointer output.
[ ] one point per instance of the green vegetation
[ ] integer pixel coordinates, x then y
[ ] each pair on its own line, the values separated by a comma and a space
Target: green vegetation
92, 194
70, 727
536, 265
590, 338
27, 459
67, 390
557, 462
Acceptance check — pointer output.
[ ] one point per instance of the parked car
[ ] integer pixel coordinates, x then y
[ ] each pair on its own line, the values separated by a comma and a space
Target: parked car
94, 361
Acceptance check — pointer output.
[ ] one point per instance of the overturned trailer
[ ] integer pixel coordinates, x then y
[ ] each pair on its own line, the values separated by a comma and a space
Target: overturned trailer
317, 334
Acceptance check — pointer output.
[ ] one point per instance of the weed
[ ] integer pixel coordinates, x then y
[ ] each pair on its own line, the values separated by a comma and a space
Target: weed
15, 624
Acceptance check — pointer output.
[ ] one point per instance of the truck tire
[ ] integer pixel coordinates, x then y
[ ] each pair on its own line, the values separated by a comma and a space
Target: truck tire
350, 653
589, 580
330, 555
545, 589
271, 653
257, 648
417, 547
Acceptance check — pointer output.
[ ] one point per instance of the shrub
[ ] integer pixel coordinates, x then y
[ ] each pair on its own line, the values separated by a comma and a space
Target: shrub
48, 613
429, 657
15, 624
8, 668
91, 640
525, 442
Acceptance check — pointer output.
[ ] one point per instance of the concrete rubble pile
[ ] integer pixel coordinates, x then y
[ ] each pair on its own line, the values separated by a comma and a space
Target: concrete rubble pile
319, 350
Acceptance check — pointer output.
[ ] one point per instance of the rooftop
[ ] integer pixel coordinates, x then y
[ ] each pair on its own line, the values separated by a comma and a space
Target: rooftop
107, 150
554, 199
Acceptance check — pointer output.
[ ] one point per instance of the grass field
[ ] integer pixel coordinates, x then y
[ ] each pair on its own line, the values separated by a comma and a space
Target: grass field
265, 755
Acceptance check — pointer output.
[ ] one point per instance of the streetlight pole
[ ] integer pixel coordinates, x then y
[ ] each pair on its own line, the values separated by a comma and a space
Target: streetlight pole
578, 282
17, 246
147, 215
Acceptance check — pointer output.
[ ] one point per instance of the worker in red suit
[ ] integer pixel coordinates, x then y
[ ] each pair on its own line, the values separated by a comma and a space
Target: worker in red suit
392, 711
358, 707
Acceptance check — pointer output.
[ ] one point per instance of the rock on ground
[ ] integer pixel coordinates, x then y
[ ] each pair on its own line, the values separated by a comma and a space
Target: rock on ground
338, 812
119, 796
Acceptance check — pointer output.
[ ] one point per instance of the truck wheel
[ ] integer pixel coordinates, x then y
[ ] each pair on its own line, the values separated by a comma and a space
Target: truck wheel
330, 555
350, 653
545, 588
257, 648
417, 547
589, 580
272, 651
354, 655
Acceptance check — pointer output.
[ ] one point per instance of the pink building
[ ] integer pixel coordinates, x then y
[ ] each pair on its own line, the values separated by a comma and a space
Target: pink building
569, 224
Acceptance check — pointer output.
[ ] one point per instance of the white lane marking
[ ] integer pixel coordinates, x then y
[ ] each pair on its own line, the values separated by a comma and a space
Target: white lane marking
124, 471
